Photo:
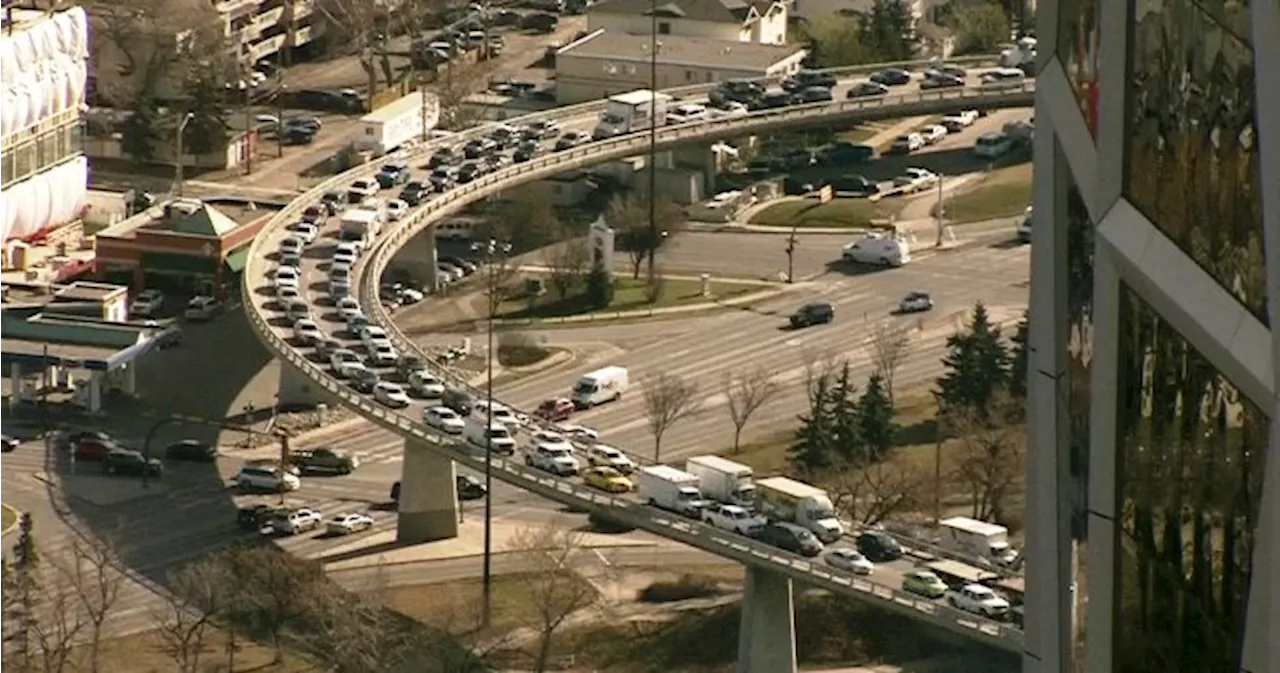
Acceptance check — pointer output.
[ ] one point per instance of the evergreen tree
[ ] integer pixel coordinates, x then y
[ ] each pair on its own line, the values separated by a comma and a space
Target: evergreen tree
207, 130
842, 406
599, 288
1018, 360
976, 366
810, 451
876, 427
888, 31
140, 133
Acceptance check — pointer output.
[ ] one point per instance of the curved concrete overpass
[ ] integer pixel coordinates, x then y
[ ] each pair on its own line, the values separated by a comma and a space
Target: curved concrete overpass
427, 508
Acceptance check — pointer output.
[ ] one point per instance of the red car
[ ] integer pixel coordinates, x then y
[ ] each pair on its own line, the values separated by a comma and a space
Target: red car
93, 448
555, 410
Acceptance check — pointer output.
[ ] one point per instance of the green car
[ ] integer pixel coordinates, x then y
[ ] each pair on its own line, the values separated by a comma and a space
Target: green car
924, 583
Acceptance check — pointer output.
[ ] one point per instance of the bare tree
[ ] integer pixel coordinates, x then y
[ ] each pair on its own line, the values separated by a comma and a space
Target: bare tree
134, 48
566, 265
457, 83
654, 285
355, 28
873, 493
95, 579
889, 347
58, 624
275, 590
668, 399
744, 394
991, 459
198, 594
628, 214
526, 218
555, 592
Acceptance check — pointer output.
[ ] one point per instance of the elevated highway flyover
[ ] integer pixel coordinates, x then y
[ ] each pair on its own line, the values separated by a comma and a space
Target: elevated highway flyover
428, 503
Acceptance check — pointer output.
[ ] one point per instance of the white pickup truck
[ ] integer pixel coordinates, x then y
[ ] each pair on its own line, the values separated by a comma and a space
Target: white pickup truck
978, 600
734, 518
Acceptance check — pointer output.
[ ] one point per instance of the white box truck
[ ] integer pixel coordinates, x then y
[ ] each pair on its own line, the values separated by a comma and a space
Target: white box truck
724, 480
359, 224
600, 386
674, 490
396, 123
783, 499
630, 112
976, 539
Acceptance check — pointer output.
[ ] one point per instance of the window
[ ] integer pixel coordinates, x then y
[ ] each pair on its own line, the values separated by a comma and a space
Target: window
6, 168
664, 28
688, 75
22, 161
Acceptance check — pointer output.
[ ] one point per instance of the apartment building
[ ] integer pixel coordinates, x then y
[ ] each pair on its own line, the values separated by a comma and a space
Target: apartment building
729, 20
44, 174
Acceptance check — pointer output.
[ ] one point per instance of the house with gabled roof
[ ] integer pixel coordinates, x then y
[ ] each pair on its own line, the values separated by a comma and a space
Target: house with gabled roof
759, 21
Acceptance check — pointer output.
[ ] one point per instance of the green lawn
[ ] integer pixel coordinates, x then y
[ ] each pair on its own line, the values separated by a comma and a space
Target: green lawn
1005, 192
628, 295
810, 213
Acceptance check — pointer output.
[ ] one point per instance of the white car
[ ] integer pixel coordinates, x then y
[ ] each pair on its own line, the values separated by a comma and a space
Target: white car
372, 334
391, 394
307, 332
915, 302
849, 559
297, 521
349, 248
501, 414
296, 310
932, 134
342, 258
908, 143
287, 276
364, 187
409, 295
444, 419
396, 209
916, 180
292, 245
603, 455
347, 307
734, 518
579, 434
147, 303
687, 112
305, 231
347, 523
424, 384
343, 361
265, 478
960, 120
550, 439
1024, 227
554, 458
979, 600
288, 294
733, 109
383, 354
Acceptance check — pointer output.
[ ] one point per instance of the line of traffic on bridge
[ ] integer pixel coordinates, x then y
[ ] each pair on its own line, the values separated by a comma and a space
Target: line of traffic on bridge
743, 549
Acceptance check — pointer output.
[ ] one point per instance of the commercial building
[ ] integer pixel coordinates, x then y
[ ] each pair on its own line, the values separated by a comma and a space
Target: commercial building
186, 246
43, 174
1154, 479
723, 20
604, 63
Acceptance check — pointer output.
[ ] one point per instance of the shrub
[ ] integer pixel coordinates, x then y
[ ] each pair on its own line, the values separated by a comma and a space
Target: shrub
684, 588
520, 349
599, 289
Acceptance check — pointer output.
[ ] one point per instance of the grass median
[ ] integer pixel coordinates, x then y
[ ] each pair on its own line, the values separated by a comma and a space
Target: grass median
837, 213
1004, 192
628, 295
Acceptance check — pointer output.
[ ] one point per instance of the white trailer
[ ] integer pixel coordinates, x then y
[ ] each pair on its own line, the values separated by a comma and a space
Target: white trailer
674, 490
633, 111
724, 480
360, 224
791, 501
976, 539
600, 386
396, 123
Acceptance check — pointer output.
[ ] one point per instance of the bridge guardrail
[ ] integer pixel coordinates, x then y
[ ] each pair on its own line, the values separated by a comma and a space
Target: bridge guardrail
690, 532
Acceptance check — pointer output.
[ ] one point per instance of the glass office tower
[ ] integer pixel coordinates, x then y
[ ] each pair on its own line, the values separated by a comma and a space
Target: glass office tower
1153, 527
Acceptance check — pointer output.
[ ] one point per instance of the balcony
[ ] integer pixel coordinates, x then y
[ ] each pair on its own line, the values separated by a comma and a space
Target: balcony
235, 7
303, 8
304, 34
265, 48
262, 22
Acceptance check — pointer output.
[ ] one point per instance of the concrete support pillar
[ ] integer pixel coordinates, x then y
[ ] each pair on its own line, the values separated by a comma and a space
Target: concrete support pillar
419, 258
296, 390
767, 633
710, 168
428, 496
15, 386
129, 379
96, 381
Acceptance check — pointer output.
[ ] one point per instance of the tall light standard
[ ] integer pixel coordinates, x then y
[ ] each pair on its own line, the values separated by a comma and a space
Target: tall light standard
653, 133
179, 151
489, 250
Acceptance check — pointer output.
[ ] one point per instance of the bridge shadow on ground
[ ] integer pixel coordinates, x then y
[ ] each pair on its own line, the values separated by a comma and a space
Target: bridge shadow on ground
187, 513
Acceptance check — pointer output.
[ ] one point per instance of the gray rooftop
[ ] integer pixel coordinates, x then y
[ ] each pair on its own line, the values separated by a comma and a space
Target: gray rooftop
682, 50
727, 11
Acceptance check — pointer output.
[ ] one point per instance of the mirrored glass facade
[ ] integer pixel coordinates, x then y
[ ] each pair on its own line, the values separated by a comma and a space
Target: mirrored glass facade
1077, 48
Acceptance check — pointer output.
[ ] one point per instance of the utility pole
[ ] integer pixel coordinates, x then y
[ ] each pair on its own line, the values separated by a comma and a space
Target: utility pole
791, 251
941, 214
280, 91
250, 133
653, 137
284, 458
179, 152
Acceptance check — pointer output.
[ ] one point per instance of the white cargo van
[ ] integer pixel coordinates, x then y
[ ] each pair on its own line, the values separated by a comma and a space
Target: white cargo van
878, 249
600, 386
497, 437
674, 490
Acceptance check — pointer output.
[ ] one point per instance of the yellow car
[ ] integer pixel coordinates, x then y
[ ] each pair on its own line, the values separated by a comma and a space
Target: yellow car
607, 479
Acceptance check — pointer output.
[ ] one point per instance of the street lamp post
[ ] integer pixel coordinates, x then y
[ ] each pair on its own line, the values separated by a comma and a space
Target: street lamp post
250, 133
489, 249
791, 252
280, 134
180, 151
653, 134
